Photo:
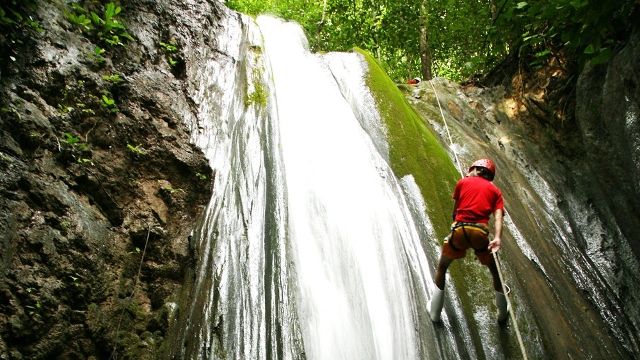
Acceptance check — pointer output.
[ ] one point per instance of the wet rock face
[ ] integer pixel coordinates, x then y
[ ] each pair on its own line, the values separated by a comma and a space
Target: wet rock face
571, 188
99, 184
608, 110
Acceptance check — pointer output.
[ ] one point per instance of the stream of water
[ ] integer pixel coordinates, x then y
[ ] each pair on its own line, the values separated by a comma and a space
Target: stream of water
347, 217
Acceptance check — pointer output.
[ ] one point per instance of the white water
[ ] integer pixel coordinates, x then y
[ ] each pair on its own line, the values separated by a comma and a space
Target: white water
347, 221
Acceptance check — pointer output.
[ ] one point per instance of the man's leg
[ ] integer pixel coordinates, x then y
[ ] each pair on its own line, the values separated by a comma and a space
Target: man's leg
441, 271
497, 284
501, 300
434, 305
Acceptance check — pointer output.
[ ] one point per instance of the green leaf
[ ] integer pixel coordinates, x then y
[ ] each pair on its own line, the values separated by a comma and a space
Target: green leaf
77, 7
589, 49
97, 21
108, 101
71, 139
543, 53
603, 57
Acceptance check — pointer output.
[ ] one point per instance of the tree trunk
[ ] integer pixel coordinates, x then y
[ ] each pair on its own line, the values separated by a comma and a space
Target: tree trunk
494, 10
425, 52
320, 26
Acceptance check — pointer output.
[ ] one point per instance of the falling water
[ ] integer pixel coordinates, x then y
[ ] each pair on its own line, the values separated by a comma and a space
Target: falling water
308, 248
347, 220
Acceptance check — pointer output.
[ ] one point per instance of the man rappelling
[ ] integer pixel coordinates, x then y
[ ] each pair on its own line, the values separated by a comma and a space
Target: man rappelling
476, 199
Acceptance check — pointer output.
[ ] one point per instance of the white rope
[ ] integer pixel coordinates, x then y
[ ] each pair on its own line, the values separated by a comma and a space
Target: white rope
511, 312
455, 155
495, 254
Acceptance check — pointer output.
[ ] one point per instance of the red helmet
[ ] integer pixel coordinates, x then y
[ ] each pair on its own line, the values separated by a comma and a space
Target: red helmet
485, 163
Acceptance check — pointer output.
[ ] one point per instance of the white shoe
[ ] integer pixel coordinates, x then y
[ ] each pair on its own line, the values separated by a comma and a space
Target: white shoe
435, 304
503, 306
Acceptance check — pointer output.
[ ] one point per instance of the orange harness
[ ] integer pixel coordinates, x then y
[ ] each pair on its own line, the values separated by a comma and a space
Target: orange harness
464, 225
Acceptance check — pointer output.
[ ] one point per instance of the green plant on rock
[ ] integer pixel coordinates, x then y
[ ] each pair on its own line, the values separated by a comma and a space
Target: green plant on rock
109, 103
257, 97
172, 190
34, 310
201, 176
105, 28
16, 23
109, 27
114, 78
64, 109
65, 225
169, 49
96, 56
84, 108
71, 140
75, 142
136, 149
79, 18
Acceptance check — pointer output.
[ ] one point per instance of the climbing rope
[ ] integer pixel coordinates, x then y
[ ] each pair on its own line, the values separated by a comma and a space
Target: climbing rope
495, 254
511, 313
455, 155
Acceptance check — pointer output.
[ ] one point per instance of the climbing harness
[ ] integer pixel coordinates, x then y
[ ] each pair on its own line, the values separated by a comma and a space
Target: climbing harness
464, 226
495, 254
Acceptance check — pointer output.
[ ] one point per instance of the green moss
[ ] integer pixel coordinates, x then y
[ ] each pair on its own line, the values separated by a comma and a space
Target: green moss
413, 148
257, 97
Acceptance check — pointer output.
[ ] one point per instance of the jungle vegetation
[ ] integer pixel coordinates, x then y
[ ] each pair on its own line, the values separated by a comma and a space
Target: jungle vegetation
458, 39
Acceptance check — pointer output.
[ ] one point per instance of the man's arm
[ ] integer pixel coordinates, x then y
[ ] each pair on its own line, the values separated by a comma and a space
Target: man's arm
494, 245
455, 210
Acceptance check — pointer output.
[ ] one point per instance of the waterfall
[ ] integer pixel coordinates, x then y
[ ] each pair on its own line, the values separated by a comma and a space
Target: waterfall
308, 248
313, 248
347, 218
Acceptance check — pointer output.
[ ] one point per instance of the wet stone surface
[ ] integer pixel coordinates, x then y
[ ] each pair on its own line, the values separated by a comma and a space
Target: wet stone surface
88, 187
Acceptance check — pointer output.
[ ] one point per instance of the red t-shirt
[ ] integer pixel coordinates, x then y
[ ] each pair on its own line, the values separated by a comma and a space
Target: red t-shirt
477, 199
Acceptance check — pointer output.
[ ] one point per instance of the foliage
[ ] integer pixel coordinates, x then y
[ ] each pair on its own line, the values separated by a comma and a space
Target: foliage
97, 57
464, 37
109, 103
136, 149
114, 78
257, 93
586, 29
75, 142
71, 139
79, 19
169, 49
106, 28
16, 22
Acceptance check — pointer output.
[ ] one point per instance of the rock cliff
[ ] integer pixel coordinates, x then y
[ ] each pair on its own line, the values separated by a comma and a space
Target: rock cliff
100, 185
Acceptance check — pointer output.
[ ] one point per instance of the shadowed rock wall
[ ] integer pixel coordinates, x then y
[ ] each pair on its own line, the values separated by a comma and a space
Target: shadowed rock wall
97, 200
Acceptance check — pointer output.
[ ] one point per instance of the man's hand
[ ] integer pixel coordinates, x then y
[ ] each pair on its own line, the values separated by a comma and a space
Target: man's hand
497, 230
494, 245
